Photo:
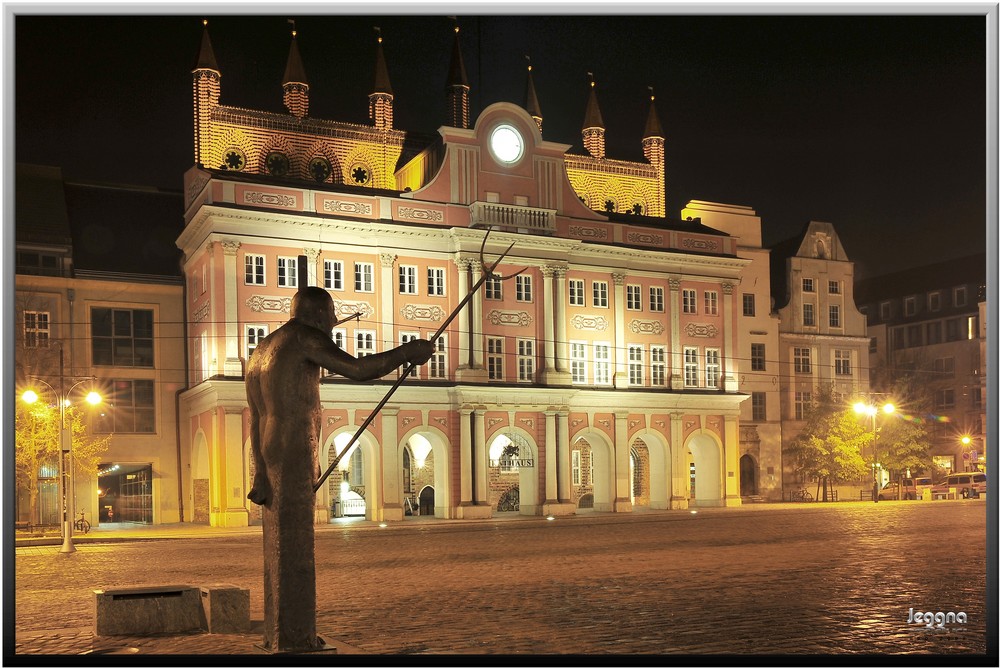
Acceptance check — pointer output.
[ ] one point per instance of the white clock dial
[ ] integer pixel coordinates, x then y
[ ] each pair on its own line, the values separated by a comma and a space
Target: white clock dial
506, 144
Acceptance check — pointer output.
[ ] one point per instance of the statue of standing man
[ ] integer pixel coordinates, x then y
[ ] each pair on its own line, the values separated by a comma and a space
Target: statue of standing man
282, 384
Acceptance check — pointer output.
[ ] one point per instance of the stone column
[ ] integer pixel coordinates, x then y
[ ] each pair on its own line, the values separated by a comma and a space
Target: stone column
481, 454
311, 267
730, 372
465, 455
548, 316
386, 293
621, 352
551, 467
680, 483
233, 366
562, 452
232, 496
465, 335
392, 493
476, 316
676, 351
559, 325
623, 500
731, 461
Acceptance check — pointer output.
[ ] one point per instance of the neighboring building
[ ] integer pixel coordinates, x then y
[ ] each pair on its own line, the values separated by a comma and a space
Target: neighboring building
604, 376
98, 293
931, 321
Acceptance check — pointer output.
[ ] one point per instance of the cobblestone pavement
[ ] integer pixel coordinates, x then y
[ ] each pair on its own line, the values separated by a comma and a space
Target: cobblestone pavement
767, 579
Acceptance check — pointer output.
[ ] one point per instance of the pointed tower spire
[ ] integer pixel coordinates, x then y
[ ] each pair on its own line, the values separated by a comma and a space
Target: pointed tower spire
652, 148
206, 80
458, 88
294, 83
593, 124
380, 100
531, 99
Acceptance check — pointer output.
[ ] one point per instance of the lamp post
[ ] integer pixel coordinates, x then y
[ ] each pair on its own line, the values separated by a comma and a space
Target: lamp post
872, 411
65, 446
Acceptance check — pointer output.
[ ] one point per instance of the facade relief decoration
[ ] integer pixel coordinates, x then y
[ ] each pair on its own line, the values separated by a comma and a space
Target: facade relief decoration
595, 323
345, 308
229, 246
694, 329
700, 244
511, 318
412, 213
270, 199
644, 238
342, 206
494, 421
587, 232
749, 434
201, 313
646, 326
261, 304
422, 312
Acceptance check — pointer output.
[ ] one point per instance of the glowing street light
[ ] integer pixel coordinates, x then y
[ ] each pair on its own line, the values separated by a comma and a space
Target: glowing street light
65, 445
872, 411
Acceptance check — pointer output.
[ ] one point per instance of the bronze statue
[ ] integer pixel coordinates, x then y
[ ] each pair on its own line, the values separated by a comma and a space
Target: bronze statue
282, 385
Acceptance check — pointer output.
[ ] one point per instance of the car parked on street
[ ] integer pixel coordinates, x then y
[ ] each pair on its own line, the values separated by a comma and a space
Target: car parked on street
966, 485
912, 488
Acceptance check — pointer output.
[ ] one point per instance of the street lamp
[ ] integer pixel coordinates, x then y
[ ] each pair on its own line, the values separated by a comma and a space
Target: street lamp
872, 411
65, 446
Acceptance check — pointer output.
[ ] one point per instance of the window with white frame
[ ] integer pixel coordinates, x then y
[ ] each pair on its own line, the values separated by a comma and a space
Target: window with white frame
576, 467
690, 367
333, 274
635, 364
36, 329
711, 302
909, 305
689, 301
288, 272
404, 338
803, 401
578, 361
602, 363
633, 297
575, 292
758, 360
960, 296
807, 285
657, 366
494, 357
749, 305
713, 367
802, 359
522, 288
842, 362
525, 360
254, 269
364, 343
339, 336
833, 287
364, 273
808, 315
600, 291
834, 315
437, 365
407, 279
435, 281
493, 287
656, 299
934, 301
254, 335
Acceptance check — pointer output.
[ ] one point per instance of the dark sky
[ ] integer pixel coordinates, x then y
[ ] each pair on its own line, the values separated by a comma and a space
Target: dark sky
873, 123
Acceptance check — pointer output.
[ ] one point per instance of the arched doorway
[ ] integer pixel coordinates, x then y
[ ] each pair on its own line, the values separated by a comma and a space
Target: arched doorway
748, 476
513, 476
427, 501
705, 465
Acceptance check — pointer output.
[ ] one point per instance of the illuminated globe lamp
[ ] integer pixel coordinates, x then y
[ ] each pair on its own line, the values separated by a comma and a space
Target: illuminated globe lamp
65, 441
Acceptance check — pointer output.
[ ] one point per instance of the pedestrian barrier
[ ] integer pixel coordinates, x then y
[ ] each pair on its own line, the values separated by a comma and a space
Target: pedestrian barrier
141, 611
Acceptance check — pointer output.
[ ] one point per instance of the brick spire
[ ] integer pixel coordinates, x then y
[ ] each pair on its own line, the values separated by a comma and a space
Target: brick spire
593, 124
380, 99
458, 88
531, 99
294, 83
207, 87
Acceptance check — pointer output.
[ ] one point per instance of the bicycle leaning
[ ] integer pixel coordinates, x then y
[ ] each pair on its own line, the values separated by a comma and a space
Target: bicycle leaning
81, 525
802, 494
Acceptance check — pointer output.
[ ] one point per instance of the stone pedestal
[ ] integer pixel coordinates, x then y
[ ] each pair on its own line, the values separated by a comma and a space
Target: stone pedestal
226, 608
141, 611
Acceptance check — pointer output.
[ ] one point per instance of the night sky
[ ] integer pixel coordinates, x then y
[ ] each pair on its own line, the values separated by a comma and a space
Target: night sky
873, 123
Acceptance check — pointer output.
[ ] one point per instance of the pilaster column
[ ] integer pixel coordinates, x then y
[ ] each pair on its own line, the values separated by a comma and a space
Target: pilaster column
387, 292
731, 458
676, 351
621, 353
232, 367
476, 320
465, 335
465, 455
392, 493
562, 452
730, 372
623, 502
232, 497
680, 478
481, 455
551, 480
311, 268
559, 309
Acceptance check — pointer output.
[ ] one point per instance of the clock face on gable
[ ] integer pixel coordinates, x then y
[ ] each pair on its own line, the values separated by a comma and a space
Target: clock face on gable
506, 144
